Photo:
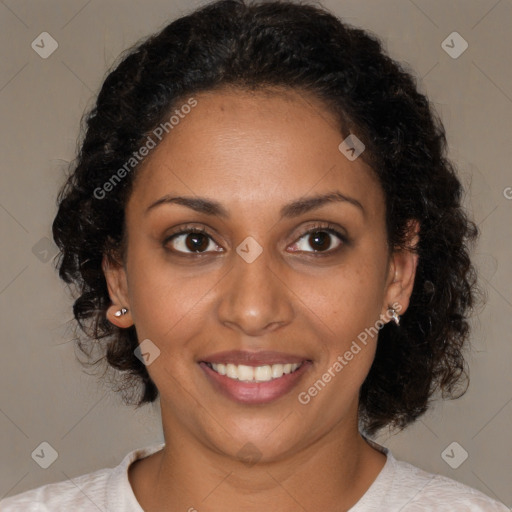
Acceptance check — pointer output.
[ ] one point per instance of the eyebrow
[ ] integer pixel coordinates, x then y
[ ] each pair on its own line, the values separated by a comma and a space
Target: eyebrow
290, 210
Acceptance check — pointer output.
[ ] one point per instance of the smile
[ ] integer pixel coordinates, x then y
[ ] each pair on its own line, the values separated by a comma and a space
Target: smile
246, 373
252, 385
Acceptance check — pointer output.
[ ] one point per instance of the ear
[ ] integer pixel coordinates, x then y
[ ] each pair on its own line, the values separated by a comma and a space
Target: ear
401, 274
117, 283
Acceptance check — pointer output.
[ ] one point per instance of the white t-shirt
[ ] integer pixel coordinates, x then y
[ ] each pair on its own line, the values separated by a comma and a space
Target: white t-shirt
399, 486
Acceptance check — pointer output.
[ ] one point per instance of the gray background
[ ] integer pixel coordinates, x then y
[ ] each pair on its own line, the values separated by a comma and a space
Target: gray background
45, 394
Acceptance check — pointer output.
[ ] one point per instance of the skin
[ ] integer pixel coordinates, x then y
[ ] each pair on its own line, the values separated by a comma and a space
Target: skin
253, 153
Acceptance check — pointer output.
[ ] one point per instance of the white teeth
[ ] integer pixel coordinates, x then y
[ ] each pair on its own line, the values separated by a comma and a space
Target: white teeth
231, 371
277, 371
254, 373
221, 368
245, 372
262, 373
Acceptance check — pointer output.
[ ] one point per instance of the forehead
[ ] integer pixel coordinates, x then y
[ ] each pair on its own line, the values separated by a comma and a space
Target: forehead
251, 146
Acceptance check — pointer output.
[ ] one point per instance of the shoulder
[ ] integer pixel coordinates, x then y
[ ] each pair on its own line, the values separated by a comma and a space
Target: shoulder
104, 489
428, 491
85, 492
407, 488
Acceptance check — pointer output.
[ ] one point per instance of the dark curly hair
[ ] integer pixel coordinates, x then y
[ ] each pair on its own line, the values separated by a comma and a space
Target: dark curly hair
250, 46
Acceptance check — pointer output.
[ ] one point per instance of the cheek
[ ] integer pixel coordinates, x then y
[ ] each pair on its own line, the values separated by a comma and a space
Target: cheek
349, 307
346, 300
154, 293
168, 303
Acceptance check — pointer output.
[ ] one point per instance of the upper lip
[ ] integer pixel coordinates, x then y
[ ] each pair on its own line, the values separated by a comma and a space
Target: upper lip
248, 358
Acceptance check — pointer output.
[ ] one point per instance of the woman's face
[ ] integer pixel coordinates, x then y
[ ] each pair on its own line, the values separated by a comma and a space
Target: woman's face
255, 281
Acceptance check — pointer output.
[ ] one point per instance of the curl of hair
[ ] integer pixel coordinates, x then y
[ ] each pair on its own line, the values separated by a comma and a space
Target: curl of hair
233, 43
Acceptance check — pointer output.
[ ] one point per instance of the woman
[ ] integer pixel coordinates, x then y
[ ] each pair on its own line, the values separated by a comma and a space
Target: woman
265, 233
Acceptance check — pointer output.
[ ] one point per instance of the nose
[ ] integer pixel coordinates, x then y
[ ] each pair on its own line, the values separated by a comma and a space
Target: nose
254, 297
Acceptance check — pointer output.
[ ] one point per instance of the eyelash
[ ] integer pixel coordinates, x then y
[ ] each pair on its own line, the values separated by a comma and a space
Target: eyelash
320, 227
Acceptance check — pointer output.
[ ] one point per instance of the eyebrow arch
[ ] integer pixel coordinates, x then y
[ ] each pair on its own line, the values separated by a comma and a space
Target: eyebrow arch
290, 210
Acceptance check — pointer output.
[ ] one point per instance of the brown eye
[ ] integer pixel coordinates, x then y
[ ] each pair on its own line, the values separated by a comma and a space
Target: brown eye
321, 240
196, 242
191, 241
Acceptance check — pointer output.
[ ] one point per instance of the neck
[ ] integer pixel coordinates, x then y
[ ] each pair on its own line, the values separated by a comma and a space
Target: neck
330, 474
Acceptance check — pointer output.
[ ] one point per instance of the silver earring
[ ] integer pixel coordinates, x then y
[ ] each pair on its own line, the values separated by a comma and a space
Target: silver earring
121, 312
395, 316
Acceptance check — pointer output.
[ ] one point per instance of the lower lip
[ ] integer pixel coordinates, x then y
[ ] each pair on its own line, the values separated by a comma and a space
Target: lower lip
255, 392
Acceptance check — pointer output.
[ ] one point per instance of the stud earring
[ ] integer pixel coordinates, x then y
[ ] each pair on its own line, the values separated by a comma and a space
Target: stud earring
395, 316
121, 312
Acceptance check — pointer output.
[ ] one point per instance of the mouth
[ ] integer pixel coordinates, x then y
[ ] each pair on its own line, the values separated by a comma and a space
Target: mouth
254, 378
